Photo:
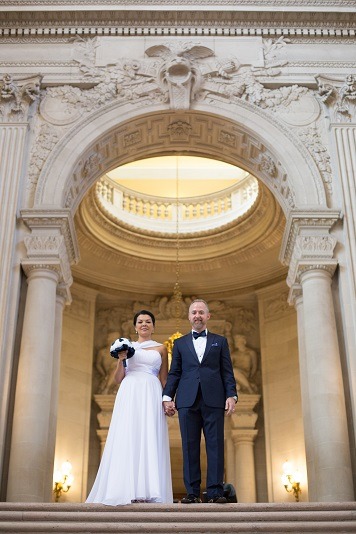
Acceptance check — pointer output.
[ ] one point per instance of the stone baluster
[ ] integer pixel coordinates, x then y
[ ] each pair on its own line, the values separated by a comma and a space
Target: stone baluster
49, 253
311, 267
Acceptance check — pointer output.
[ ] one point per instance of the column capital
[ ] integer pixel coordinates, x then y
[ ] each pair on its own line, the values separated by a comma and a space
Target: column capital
339, 97
51, 245
17, 96
308, 244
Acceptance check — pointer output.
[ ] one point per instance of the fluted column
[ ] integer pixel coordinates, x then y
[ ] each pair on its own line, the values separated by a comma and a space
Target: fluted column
50, 248
312, 265
16, 99
339, 98
243, 433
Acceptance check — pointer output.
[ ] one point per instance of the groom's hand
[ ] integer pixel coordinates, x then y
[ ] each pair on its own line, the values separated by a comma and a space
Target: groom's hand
169, 408
230, 405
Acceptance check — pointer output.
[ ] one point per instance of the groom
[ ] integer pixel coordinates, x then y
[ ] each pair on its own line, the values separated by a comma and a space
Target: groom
201, 376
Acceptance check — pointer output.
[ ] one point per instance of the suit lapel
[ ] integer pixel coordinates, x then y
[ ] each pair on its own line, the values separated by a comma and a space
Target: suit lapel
209, 341
189, 341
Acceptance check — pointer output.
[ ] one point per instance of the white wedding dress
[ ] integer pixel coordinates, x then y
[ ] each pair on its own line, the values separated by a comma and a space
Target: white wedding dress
136, 461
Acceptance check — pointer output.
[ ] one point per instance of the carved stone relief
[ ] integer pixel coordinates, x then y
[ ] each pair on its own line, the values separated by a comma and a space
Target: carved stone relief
178, 75
16, 97
339, 97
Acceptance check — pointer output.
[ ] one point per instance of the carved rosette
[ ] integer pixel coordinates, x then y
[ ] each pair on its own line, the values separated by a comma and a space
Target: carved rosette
339, 97
308, 245
17, 96
51, 245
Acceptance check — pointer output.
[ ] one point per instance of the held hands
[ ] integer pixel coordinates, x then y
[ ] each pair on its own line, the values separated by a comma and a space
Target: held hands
169, 408
230, 405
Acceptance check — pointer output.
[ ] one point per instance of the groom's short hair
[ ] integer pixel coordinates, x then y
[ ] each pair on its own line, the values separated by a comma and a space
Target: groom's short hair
200, 300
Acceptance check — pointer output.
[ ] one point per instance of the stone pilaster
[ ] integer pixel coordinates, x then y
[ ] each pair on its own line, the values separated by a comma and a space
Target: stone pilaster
47, 267
312, 266
16, 101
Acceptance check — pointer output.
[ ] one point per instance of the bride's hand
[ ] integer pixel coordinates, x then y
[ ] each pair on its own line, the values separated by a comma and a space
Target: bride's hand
123, 355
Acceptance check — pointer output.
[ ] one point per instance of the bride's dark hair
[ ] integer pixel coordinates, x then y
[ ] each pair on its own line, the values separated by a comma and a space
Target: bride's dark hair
144, 312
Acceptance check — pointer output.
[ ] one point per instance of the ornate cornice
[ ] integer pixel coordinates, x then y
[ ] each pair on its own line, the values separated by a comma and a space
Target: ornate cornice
50, 227
300, 220
308, 244
256, 19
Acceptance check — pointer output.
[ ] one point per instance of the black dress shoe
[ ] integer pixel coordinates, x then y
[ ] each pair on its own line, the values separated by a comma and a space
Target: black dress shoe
219, 500
190, 499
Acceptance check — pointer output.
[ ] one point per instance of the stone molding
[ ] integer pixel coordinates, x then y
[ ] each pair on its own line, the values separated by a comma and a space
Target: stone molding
308, 244
264, 225
17, 96
244, 147
56, 222
339, 98
278, 17
51, 245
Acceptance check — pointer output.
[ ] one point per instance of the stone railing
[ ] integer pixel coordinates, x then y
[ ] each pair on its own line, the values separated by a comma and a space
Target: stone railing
159, 214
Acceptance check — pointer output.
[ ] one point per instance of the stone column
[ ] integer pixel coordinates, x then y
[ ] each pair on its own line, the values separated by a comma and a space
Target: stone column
61, 300
47, 264
16, 101
311, 268
243, 433
304, 383
331, 446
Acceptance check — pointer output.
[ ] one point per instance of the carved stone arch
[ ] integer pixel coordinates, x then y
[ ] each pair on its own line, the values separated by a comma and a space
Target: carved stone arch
241, 134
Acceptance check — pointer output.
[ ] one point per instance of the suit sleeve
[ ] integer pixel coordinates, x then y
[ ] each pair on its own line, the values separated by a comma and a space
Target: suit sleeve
227, 371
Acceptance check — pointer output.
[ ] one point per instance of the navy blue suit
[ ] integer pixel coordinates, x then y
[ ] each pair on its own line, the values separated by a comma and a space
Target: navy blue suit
200, 391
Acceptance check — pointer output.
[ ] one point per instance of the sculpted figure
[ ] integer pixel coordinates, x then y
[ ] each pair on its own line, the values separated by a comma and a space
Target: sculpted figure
245, 365
105, 364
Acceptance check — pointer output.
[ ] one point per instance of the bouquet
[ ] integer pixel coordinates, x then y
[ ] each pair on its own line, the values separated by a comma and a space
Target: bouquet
121, 344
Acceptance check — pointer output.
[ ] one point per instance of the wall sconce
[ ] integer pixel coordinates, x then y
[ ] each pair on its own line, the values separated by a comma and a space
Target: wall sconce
63, 480
291, 481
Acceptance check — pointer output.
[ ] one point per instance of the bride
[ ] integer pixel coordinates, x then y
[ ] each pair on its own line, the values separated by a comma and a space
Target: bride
135, 466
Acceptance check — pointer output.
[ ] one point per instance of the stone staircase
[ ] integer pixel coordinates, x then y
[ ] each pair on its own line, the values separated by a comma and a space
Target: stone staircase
301, 518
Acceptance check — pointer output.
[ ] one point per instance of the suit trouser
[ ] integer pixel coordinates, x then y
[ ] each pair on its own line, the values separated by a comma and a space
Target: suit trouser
192, 421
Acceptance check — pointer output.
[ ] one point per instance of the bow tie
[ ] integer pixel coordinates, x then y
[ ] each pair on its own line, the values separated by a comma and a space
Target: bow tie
199, 334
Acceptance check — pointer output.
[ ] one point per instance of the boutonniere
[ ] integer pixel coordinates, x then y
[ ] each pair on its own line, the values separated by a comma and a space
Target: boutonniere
215, 345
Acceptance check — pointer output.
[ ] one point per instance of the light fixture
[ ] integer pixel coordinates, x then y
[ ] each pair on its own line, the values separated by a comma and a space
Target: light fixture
291, 480
177, 293
63, 480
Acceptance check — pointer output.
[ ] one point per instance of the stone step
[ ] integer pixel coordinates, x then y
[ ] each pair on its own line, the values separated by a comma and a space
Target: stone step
301, 518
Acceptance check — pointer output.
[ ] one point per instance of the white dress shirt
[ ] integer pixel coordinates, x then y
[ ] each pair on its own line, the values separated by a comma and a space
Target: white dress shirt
200, 346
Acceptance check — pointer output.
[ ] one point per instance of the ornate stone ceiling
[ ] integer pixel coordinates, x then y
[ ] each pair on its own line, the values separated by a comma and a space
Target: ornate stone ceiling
238, 257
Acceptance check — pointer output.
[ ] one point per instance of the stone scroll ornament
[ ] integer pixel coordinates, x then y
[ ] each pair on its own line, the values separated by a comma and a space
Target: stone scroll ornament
120, 345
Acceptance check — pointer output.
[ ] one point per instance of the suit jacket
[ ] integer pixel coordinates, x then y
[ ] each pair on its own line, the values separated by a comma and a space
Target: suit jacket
214, 374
